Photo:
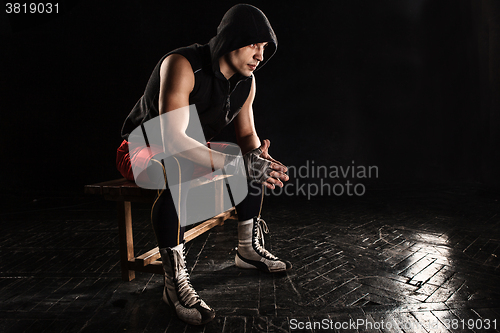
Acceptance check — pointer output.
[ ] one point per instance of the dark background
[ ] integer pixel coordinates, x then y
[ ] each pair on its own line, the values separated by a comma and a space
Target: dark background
409, 86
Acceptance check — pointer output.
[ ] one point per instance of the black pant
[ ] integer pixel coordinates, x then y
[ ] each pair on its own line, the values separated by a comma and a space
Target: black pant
169, 227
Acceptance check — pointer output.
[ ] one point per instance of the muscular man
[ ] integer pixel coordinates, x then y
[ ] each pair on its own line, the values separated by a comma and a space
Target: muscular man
218, 78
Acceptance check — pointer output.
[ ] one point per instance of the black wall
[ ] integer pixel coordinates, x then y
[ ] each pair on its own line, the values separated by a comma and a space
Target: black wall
409, 86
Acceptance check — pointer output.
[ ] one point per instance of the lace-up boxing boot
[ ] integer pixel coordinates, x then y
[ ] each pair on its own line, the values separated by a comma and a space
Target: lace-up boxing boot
251, 252
178, 291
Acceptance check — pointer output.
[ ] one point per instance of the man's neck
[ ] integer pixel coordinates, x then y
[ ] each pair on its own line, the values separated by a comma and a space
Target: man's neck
225, 69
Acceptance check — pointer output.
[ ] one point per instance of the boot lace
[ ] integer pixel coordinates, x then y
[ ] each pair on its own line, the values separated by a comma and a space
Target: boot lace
185, 290
260, 228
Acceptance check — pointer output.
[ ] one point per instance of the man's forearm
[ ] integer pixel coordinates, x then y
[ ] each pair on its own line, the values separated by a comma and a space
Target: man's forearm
248, 143
176, 142
186, 147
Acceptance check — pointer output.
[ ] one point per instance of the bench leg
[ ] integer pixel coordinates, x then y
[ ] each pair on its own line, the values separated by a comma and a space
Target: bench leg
126, 238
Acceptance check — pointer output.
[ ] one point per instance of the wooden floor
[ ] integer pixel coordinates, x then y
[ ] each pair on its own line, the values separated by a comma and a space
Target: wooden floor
396, 260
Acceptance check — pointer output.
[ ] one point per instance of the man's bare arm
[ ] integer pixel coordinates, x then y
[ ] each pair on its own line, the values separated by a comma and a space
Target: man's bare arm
176, 83
244, 126
248, 140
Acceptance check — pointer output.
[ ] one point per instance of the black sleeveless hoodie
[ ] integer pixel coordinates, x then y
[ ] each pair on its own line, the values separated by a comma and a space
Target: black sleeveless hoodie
217, 99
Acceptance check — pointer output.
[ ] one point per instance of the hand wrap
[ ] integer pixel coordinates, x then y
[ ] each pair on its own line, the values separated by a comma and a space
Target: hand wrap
256, 168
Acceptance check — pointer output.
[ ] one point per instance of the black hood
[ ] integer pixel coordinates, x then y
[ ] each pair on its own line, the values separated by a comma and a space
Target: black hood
242, 25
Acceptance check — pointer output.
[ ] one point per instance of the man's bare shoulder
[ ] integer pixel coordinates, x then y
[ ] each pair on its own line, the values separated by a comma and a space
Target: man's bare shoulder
176, 68
176, 62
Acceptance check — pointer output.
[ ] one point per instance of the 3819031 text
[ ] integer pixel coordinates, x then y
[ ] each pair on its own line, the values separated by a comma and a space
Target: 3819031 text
32, 8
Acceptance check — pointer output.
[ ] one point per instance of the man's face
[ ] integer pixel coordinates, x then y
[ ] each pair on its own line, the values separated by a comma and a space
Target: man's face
246, 59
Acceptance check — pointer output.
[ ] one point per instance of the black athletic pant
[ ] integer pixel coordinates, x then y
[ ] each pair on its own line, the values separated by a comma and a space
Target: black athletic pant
169, 228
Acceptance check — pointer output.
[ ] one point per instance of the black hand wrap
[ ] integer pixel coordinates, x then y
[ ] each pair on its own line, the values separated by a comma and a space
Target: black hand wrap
257, 168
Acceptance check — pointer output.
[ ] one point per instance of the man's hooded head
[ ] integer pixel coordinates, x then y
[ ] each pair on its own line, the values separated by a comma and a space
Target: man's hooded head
242, 25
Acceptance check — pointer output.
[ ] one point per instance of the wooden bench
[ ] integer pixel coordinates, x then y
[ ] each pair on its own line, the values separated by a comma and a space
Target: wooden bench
125, 192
